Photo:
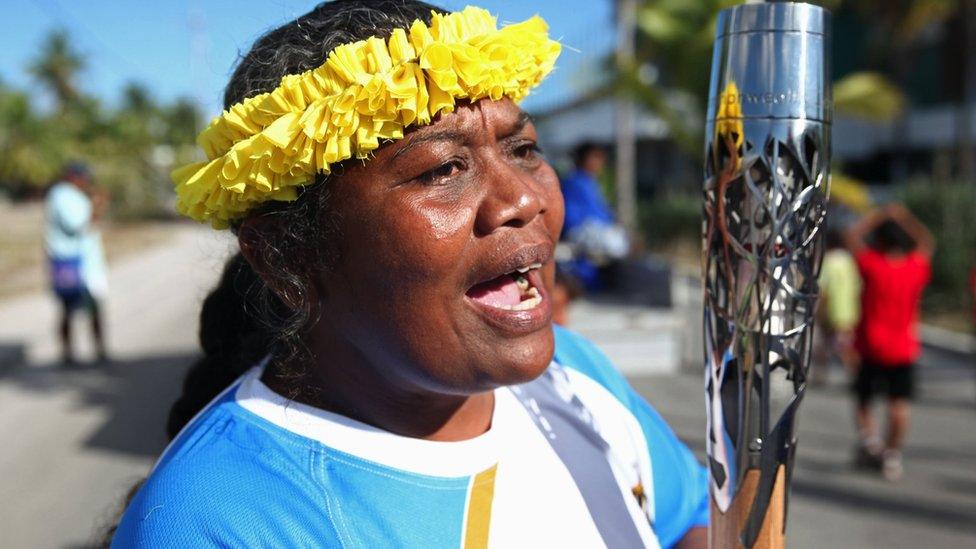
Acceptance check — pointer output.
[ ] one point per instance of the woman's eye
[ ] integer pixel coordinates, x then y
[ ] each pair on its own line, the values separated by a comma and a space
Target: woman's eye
527, 151
443, 171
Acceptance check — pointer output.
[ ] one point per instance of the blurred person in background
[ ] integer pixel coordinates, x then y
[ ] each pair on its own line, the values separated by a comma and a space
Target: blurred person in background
75, 256
839, 307
565, 290
594, 237
893, 251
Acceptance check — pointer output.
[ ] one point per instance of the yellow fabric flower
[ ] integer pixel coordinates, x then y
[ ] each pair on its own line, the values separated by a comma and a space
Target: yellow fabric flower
266, 146
728, 121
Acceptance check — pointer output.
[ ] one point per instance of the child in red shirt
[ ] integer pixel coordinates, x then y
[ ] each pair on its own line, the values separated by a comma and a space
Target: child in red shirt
893, 251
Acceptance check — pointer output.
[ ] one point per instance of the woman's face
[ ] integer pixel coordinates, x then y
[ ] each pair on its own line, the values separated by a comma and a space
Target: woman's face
435, 229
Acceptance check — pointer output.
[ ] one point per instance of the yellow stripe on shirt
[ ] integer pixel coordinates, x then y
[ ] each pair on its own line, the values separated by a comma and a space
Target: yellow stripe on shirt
479, 509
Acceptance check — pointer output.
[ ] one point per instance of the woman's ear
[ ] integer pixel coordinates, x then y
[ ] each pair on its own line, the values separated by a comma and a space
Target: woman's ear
266, 260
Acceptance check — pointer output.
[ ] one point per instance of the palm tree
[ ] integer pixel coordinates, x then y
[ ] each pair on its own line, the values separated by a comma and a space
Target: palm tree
57, 66
182, 121
137, 99
674, 45
29, 151
671, 71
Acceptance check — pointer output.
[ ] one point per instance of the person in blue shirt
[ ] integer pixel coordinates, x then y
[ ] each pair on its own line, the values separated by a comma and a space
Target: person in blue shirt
380, 366
581, 189
590, 228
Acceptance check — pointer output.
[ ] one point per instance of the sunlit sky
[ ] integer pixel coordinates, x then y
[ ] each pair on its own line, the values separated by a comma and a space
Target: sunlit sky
186, 48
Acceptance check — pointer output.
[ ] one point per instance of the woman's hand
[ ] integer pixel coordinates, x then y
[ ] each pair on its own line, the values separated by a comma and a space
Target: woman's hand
695, 538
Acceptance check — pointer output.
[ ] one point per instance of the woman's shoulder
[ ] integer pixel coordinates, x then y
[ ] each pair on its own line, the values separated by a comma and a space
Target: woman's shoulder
577, 353
219, 483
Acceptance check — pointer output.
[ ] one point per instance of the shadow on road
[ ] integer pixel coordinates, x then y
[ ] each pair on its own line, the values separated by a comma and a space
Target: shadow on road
914, 509
834, 501
135, 393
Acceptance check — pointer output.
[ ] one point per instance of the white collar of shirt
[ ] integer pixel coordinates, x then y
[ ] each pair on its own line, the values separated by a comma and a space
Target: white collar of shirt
425, 457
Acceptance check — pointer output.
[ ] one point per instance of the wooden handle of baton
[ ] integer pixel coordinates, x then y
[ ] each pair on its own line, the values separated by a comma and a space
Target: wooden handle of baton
725, 529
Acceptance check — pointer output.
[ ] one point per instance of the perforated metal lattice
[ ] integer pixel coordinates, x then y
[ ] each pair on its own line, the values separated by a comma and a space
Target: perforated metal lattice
765, 195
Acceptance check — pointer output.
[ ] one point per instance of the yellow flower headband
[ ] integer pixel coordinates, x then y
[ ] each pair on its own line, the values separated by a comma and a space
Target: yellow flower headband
268, 145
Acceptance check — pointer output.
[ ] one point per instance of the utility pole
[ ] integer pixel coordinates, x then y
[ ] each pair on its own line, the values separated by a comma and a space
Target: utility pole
196, 23
626, 147
967, 161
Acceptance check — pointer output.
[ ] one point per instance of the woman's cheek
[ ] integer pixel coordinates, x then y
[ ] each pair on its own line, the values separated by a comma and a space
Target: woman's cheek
555, 210
444, 222
422, 241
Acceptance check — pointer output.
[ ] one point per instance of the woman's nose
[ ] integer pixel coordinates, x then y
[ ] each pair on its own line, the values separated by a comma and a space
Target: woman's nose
514, 199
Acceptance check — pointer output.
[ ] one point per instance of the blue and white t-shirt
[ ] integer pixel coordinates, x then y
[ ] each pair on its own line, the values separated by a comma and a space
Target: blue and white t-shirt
573, 459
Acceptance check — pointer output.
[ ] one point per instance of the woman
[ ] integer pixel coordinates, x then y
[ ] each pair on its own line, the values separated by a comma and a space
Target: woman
383, 347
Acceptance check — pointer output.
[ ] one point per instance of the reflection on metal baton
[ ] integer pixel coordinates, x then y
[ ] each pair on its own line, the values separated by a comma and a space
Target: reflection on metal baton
767, 166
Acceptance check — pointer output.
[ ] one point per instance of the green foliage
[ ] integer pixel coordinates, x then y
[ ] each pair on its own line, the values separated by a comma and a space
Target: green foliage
671, 71
894, 26
667, 219
868, 95
677, 36
57, 67
946, 208
27, 144
131, 148
674, 47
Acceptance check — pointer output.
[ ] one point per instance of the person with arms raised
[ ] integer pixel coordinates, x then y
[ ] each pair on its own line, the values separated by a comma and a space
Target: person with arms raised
893, 251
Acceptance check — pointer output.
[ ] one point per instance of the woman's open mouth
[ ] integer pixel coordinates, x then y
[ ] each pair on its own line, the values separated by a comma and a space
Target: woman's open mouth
515, 301
511, 292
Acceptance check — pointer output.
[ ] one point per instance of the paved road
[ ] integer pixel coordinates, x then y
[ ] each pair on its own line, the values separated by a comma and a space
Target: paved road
833, 505
74, 442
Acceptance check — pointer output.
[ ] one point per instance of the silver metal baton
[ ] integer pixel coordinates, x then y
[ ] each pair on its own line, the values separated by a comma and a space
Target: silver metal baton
767, 178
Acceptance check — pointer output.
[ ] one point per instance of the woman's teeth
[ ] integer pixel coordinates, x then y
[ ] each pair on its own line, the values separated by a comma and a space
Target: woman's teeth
528, 268
534, 298
530, 295
510, 292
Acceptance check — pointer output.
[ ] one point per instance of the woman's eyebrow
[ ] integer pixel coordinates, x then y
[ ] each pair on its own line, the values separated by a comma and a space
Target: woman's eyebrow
450, 135
520, 123
444, 135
